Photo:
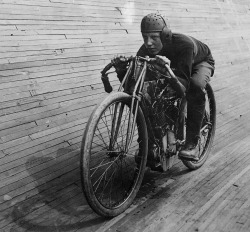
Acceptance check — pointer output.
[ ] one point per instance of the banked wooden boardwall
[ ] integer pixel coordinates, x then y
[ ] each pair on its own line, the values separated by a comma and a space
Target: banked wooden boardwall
51, 54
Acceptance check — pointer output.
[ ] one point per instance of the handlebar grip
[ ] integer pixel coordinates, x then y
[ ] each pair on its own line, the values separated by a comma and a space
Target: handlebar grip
105, 80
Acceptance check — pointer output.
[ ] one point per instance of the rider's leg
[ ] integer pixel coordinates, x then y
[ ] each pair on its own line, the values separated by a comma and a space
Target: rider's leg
195, 109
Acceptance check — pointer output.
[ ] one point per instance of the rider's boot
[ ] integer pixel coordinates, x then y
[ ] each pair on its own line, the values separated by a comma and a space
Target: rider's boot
195, 116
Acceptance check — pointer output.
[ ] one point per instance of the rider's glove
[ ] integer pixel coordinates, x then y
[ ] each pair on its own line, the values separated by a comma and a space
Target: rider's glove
160, 62
120, 65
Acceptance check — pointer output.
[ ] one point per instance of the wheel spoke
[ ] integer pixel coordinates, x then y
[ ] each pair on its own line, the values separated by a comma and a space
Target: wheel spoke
100, 136
111, 163
101, 176
106, 183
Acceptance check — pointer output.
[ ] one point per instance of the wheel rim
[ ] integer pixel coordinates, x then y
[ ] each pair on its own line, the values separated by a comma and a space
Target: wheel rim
113, 170
206, 133
204, 141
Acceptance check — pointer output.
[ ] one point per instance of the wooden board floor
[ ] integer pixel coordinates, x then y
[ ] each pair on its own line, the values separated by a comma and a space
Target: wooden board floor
52, 52
213, 198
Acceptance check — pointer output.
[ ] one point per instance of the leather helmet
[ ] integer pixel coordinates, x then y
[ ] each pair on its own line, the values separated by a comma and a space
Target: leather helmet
156, 23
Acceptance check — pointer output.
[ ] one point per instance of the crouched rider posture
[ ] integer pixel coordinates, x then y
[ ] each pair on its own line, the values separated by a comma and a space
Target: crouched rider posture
193, 64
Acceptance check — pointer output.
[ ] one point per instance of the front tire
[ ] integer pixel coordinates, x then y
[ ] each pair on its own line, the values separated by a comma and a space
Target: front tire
110, 175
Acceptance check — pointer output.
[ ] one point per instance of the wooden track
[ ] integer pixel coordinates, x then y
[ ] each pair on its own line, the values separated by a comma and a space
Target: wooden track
52, 52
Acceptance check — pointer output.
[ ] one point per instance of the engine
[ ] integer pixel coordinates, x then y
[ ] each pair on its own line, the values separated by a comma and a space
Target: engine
164, 117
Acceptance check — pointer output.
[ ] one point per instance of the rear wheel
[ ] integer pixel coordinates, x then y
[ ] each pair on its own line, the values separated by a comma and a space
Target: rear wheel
207, 131
109, 174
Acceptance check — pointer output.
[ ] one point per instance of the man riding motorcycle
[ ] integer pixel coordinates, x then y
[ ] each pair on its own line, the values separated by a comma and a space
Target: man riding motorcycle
193, 64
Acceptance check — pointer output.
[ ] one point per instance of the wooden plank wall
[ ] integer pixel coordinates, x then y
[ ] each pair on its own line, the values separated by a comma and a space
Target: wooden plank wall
52, 52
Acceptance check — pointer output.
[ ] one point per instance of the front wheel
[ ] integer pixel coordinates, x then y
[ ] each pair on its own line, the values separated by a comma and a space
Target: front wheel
110, 175
207, 131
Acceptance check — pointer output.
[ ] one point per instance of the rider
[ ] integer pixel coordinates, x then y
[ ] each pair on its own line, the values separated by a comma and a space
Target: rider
193, 64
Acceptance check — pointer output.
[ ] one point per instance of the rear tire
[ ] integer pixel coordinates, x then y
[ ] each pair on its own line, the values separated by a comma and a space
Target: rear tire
207, 131
110, 176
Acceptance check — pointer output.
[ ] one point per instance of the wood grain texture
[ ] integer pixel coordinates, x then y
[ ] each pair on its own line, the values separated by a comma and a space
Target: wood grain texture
52, 52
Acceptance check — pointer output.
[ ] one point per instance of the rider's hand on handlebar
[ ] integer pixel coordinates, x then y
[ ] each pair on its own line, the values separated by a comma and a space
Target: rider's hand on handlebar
160, 62
119, 63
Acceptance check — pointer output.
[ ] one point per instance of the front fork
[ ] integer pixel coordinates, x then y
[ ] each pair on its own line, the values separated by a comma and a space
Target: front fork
136, 99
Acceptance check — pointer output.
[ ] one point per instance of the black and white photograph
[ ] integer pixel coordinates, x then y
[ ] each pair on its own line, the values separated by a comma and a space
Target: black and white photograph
124, 116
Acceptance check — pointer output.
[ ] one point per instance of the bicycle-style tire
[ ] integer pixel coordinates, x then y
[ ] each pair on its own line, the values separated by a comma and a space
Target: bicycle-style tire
110, 176
206, 137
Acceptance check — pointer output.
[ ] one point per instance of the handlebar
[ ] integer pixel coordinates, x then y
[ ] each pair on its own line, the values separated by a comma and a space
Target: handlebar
108, 88
151, 60
105, 80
